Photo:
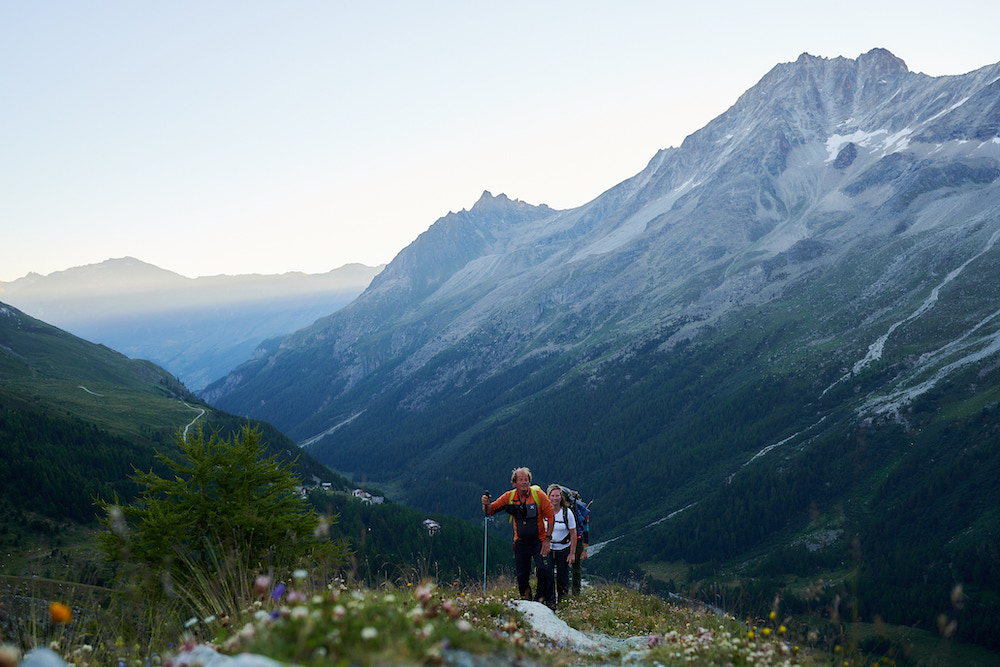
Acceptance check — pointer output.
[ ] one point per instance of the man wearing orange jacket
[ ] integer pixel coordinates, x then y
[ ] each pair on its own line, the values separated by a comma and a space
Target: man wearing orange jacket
534, 520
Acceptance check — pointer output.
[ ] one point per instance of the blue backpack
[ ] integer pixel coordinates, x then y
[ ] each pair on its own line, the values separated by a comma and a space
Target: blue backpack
580, 511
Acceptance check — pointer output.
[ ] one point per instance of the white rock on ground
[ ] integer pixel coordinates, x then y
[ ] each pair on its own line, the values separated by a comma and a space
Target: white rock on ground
544, 621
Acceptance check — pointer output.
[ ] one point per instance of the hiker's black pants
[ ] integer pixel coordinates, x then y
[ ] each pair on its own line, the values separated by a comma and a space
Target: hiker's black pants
526, 553
561, 567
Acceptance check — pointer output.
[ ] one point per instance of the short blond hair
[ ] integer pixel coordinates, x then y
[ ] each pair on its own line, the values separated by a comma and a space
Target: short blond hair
513, 474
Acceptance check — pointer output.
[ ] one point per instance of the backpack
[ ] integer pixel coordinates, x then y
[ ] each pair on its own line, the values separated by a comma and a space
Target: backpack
582, 514
535, 491
580, 511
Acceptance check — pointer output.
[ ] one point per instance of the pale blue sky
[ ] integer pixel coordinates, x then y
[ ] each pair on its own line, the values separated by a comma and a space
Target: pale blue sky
239, 136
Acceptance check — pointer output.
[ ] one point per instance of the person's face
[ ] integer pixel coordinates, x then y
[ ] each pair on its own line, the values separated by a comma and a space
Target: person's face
555, 495
522, 483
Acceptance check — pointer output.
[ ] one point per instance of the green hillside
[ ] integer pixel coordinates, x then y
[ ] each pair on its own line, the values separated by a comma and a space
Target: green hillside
77, 418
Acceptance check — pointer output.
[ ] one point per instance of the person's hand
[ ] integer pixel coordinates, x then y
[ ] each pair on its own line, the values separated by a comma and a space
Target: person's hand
486, 502
546, 545
583, 556
571, 557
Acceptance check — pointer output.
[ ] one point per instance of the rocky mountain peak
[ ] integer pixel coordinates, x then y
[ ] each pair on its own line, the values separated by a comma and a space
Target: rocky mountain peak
488, 204
817, 166
883, 60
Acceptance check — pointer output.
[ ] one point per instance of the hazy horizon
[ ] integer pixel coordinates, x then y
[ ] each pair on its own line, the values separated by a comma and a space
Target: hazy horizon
258, 137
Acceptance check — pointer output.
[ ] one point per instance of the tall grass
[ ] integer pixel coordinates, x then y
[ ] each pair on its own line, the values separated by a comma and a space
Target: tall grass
320, 615
316, 617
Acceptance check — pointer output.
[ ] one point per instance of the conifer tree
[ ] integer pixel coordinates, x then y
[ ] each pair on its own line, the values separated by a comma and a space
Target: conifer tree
226, 507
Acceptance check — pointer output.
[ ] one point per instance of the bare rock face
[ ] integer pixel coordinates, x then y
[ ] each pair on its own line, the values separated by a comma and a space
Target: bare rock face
842, 188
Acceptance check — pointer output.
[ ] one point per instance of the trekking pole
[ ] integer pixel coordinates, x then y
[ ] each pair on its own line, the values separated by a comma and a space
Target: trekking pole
486, 518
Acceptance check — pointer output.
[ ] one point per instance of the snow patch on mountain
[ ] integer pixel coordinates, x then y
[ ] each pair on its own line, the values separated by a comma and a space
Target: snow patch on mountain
878, 141
971, 351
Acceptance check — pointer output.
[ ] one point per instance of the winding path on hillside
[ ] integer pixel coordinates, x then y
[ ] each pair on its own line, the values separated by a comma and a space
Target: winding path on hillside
201, 413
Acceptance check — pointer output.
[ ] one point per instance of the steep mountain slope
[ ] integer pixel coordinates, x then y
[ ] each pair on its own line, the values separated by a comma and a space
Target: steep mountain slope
759, 337
199, 328
76, 418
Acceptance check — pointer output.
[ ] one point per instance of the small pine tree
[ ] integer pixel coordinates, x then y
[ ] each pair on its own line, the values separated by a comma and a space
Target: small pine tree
227, 508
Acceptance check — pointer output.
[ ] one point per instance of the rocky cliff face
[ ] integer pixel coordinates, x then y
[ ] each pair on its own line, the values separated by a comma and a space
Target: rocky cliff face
821, 160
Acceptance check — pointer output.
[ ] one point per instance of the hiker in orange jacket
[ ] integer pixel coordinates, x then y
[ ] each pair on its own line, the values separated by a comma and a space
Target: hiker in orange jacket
534, 520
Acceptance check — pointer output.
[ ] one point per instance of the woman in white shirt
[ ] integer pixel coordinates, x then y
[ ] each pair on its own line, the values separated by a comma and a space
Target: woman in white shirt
563, 538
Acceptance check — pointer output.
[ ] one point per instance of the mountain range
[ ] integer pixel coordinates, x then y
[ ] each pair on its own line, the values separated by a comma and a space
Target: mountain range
773, 353
197, 328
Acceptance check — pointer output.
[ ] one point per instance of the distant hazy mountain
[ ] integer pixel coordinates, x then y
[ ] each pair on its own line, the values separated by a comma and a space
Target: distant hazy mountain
199, 328
773, 351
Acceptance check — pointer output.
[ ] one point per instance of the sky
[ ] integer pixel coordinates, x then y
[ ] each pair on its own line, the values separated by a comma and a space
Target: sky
242, 136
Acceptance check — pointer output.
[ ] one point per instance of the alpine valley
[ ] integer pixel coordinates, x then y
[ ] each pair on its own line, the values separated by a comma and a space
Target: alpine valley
78, 420
771, 359
198, 329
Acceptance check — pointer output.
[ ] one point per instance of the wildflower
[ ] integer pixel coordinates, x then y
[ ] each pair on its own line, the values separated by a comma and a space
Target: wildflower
191, 621
278, 591
369, 633
298, 613
117, 517
957, 597
300, 574
463, 625
773, 615
60, 613
424, 592
10, 655
261, 584
339, 611
782, 629
247, 632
